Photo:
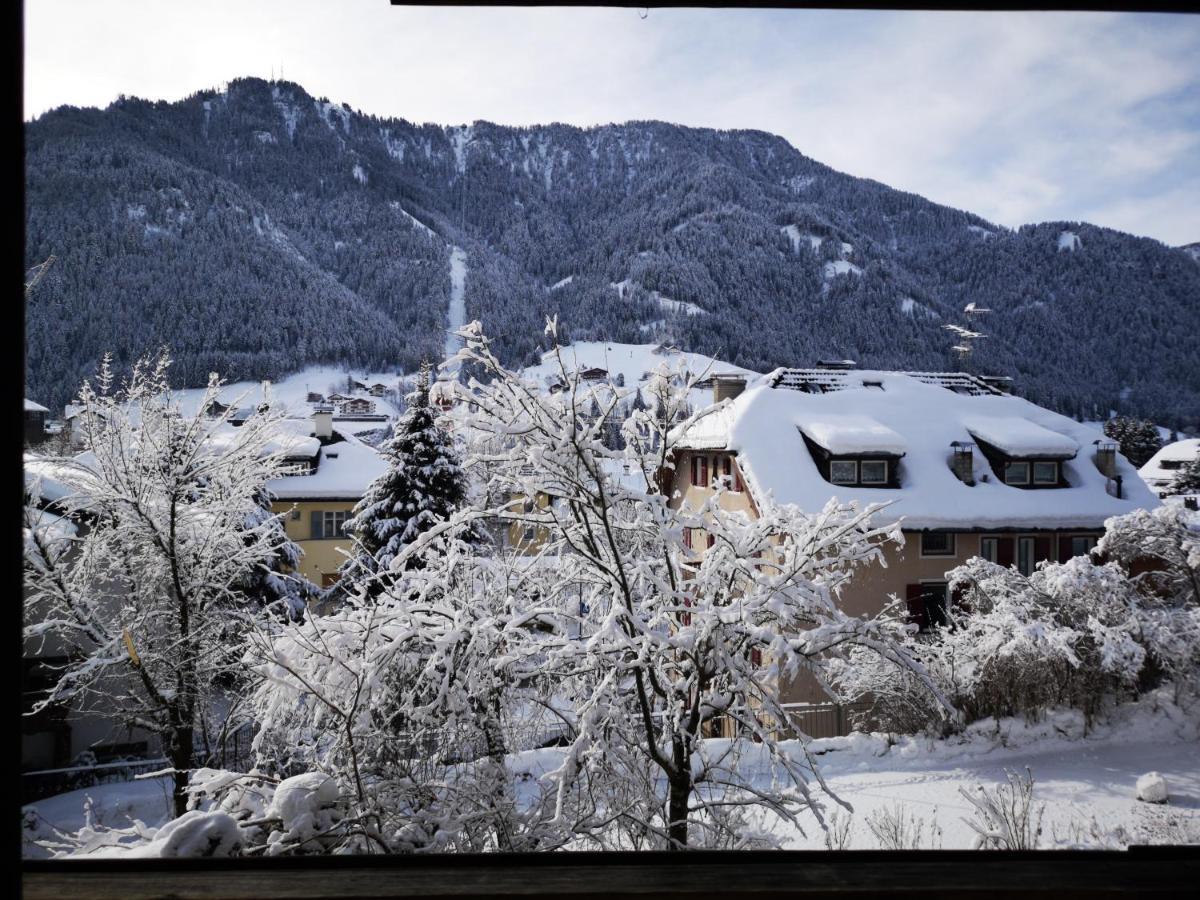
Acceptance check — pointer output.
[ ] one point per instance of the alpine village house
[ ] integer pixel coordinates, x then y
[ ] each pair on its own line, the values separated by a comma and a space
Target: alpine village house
967, 468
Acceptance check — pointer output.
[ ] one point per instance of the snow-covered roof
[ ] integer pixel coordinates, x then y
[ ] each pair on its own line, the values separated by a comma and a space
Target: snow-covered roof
1019, 437
853, 434
1156, 475
763, 425
52, 478
633, 362
344, 471
30, 406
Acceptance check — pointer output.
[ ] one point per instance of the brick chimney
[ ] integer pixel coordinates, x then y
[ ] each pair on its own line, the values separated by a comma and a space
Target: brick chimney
964, 462
727, 386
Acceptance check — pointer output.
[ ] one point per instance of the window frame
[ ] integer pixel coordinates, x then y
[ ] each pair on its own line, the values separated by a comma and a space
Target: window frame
1089, 539
834, 463
1013, 463
1023, 542
995, 542
1044, 462
338, 529
873, 462
952, 544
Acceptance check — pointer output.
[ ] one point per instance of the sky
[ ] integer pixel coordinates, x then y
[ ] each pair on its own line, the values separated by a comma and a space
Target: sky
1018, 117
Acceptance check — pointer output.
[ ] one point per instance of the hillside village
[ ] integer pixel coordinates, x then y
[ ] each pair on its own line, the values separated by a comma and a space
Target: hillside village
933, 475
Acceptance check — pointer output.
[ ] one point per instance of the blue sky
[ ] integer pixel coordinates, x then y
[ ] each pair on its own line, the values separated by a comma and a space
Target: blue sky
1019, 117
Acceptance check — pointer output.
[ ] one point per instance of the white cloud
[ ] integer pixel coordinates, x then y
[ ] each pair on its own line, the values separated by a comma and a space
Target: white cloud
1016, 116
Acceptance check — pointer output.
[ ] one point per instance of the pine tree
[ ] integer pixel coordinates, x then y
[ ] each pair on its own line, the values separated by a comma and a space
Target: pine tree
1188, 479
424, 484
1139, 439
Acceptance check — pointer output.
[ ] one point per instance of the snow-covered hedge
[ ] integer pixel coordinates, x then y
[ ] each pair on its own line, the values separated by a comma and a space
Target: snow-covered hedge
1070, 634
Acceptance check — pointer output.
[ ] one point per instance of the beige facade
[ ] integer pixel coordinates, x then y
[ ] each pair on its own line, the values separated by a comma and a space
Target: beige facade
909, 570
322, 555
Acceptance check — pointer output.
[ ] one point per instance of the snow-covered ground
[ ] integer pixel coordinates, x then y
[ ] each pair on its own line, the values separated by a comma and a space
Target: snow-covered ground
1078, 779
1086, 784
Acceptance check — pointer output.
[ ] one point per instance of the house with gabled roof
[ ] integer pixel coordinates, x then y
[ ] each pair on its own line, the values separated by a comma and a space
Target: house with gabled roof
35, 422
966, 467
1161, 470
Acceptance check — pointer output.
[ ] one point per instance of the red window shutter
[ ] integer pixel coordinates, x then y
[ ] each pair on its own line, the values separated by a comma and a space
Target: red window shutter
1064, 548
755, 657
712, 539
914, 595
685, 618
727, 469
687, 538
1041, 547
703, 471
1005, 551
695, 469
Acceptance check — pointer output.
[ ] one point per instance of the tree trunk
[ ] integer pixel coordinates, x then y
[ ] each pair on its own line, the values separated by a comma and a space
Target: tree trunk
179, 751
679, 791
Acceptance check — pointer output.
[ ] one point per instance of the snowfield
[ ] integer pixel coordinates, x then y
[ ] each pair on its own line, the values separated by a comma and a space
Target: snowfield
1087, 783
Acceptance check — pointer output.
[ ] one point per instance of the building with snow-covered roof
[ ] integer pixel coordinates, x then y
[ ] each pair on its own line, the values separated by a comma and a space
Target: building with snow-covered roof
1165, 466
35, 422
320, 493
967, 468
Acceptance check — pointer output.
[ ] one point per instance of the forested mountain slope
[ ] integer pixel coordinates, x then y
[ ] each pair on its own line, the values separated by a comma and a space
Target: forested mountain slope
258, 229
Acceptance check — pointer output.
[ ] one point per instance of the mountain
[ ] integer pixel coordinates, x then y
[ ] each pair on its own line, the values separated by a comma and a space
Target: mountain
257, 230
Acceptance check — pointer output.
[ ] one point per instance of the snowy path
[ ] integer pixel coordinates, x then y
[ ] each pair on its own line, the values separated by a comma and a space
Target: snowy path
458, 307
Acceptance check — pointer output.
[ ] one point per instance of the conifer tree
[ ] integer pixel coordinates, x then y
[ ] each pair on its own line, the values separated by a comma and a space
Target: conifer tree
423, 485
1139, 439
1188, 479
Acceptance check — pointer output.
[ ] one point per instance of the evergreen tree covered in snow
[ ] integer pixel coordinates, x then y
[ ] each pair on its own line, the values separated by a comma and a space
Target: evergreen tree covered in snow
1188, 479
1138, 438
424, 484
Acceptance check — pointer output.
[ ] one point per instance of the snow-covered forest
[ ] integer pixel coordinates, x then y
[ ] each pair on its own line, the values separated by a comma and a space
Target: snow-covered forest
257, 229
604, 683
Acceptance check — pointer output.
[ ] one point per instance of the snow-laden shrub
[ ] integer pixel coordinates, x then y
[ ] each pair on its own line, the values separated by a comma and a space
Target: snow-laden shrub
1006, 816
896, 828
1071, 634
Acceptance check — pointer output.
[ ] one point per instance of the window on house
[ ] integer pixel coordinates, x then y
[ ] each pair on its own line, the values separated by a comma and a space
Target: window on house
1082, 545
295, 514
937, 543
1016, 473
1045, 472
937, 595
334, 523
989, 549
529, 533
1026, 550
874, 471
842, 471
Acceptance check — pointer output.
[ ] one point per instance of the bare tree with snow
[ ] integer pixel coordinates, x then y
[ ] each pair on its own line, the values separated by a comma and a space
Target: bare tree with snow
173, 549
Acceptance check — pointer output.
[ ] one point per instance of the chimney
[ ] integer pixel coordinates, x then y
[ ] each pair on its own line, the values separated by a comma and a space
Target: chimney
727, 386
1106, 458
964, 462
323, 422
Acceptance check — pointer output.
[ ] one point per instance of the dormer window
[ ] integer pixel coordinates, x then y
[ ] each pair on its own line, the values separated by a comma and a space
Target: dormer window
843, 471
1016, 473
1045, 472
873, 471
1032, 473
855, 451
1021, 452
